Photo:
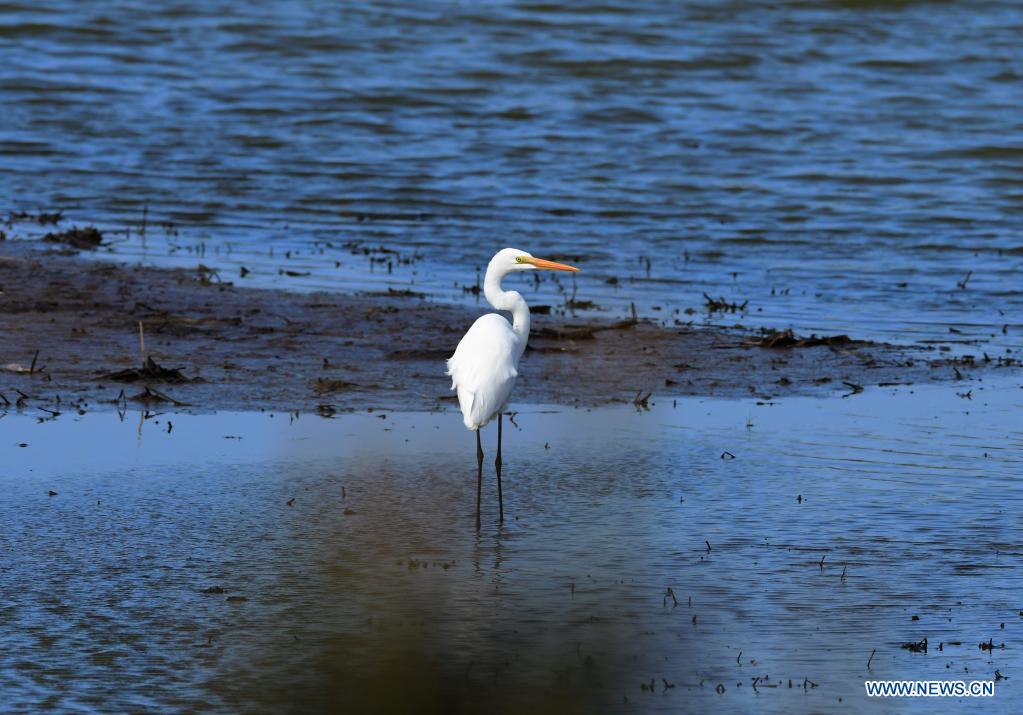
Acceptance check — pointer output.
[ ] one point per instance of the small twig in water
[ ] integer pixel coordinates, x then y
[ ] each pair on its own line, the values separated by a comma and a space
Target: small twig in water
964, 281
871, 658
821, 563
142, 345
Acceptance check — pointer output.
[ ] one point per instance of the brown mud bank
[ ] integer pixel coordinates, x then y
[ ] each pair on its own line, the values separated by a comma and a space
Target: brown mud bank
69, 331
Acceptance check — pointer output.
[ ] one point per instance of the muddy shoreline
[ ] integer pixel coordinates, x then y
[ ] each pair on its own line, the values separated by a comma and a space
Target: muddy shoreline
241, 348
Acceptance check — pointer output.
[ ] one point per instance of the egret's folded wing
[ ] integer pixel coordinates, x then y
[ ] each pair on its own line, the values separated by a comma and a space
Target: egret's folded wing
483, 368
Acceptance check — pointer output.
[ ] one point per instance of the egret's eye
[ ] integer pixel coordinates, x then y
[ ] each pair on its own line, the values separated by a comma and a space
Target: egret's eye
520, 259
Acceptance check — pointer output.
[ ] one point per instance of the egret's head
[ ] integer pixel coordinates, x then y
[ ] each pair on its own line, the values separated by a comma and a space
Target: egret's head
512, 259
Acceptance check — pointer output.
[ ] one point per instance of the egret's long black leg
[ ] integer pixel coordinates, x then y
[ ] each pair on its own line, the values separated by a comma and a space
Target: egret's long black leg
479, 476
497, 463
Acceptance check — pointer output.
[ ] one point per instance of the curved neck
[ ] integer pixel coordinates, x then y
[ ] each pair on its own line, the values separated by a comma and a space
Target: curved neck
507, 300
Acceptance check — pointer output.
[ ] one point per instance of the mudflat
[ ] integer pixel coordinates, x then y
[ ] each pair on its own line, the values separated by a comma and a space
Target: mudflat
71, 328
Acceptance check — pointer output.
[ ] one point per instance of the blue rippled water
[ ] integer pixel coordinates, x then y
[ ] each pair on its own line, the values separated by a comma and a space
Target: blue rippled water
841, 165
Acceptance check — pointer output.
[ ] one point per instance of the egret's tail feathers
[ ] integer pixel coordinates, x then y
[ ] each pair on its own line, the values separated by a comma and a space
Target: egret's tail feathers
450, 372
468, 403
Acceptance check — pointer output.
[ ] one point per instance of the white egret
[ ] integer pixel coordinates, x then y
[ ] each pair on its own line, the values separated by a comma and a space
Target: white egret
485, 364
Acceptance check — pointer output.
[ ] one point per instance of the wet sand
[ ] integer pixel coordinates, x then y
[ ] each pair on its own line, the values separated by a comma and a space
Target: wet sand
244, 348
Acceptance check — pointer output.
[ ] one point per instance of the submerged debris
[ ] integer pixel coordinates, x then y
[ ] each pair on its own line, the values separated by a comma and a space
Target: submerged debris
207, 275
422, 354
151, 370
723, 306
568, 332
788, 339
88, 238
855, 389
641, 401
42, 218
918, 647
150, 395
323, 385
396, 293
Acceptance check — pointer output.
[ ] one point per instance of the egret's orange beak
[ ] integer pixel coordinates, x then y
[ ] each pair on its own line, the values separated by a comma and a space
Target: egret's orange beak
549, 265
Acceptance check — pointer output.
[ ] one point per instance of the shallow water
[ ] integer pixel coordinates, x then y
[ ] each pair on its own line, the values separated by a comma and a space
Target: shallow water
841, 164
372, 587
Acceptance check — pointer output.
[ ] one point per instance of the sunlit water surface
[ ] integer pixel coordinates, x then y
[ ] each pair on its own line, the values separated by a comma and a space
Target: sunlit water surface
841, 165
835, 525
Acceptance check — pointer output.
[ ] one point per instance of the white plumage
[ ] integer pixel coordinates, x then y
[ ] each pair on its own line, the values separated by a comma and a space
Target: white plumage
483, 369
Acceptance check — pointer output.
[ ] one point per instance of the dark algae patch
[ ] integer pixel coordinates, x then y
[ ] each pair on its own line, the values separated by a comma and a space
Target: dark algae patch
788, 339
78, 324
150, 372
88, 238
